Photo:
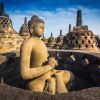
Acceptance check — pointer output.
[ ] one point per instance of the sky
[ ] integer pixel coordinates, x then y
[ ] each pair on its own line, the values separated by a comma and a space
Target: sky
57, 14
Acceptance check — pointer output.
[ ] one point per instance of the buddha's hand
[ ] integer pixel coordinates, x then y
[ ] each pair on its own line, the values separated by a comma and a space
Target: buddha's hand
49, 74
52, 62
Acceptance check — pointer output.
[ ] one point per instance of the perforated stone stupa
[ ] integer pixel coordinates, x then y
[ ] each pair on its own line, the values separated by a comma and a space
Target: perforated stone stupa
6, 28
59, 42
9, 38
81, 38
24, 30
51, 41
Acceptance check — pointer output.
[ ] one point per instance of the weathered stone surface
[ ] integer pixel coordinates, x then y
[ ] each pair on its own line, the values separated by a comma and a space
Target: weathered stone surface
87, 94
8, 44
9, 38
12, 93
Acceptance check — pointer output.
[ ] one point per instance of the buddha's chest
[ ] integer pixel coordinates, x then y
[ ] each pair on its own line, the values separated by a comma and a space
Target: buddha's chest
40, 48
40, 52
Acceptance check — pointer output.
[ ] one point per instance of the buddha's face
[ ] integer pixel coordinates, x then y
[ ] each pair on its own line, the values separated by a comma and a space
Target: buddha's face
37, 29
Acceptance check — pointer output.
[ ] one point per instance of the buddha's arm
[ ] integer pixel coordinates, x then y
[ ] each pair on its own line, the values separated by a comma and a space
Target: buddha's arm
26, 71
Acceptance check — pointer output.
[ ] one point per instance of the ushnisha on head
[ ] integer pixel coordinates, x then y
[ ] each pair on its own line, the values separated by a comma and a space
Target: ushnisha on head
36, 26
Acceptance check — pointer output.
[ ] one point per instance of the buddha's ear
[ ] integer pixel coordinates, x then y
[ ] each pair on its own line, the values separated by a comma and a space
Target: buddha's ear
31, 30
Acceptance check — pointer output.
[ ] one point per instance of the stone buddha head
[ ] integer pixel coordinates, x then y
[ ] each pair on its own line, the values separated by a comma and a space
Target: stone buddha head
36, 26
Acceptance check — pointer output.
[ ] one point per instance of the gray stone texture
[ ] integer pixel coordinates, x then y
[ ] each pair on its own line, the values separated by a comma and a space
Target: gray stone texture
12, 93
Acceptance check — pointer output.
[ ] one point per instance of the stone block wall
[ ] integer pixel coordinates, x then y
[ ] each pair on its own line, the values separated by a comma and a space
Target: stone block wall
11, 43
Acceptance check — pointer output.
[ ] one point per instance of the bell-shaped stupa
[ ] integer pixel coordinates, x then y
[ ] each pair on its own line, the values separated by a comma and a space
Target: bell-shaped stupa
80, 38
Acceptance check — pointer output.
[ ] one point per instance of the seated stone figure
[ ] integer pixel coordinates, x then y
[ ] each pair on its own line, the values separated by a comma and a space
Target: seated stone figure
36, 67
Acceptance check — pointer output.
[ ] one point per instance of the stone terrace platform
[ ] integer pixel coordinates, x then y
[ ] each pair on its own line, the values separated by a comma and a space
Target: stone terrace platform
12, 93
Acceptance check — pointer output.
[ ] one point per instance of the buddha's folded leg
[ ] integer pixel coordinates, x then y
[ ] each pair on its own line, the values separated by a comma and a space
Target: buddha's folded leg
60, 86
39, 83
36, 85
68, 76
63, 78
50, 86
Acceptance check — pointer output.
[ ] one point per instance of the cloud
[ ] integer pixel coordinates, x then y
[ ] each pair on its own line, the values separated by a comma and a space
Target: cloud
59, 19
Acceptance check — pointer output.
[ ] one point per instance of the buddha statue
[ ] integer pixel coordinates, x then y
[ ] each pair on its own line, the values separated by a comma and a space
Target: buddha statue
59, 42
36, 67
51, 41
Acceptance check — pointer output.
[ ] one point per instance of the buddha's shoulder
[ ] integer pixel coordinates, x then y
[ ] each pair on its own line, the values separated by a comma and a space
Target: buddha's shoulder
32, 41
28, 42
